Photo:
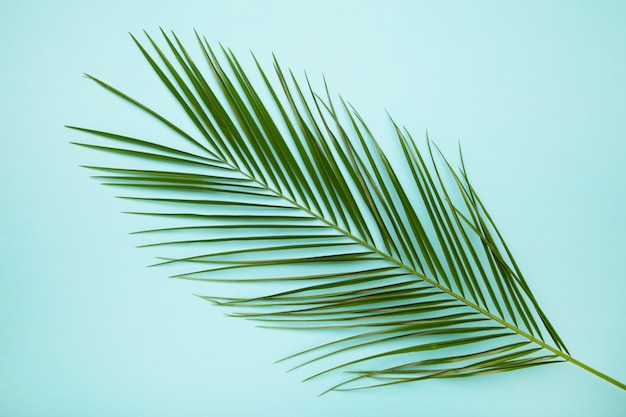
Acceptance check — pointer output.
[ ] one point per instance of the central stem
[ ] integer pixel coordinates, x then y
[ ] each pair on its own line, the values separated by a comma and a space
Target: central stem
434, 283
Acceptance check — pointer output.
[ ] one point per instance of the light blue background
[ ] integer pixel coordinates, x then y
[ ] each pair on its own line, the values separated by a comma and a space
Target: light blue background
535, 92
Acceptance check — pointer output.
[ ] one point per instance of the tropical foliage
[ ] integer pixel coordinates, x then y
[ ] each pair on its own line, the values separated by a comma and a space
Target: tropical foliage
288, 192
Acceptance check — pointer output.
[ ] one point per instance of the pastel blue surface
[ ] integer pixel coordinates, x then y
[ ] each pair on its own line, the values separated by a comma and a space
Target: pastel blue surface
535, 92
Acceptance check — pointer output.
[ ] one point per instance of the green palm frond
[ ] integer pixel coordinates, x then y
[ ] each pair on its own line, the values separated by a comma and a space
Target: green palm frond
290, 189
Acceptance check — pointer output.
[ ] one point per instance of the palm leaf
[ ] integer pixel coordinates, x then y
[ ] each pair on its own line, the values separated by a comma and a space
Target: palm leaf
413, 274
